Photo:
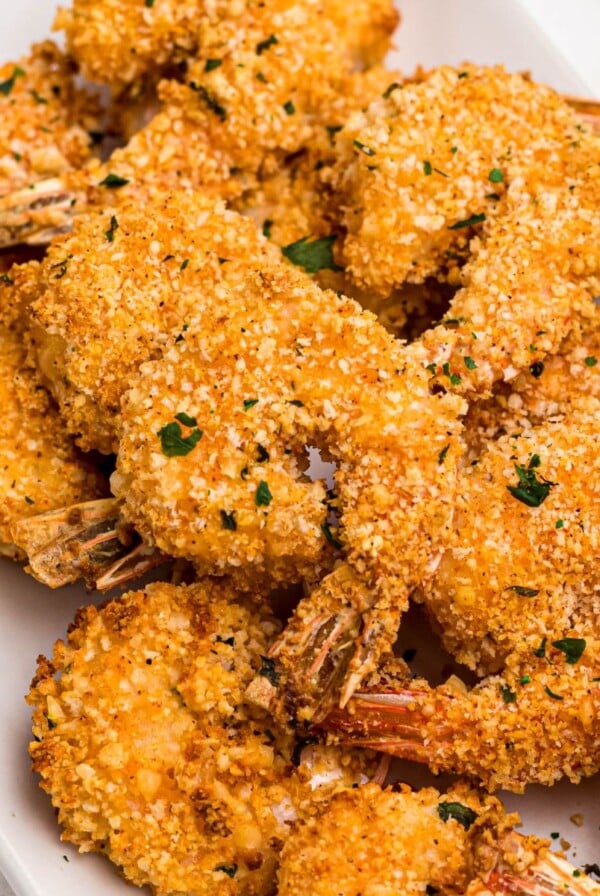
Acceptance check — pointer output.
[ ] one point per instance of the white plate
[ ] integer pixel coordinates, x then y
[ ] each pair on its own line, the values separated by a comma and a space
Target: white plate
32, 857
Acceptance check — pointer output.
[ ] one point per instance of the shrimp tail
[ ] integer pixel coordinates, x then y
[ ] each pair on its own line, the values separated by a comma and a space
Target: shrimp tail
34, 215
85, 541
549, 876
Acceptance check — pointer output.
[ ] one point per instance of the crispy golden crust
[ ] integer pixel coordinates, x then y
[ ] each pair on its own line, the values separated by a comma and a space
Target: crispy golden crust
39, 467
118, 42
419, 161
149, 755
146, 271
44, 118
315, 370
511, 573
384, 842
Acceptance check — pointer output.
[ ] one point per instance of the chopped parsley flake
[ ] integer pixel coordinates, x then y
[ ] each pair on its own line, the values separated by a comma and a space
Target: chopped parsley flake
229, 870
210, 101
228, 520
174, 444
536, 369
364, 149
508, 695
462, 814
495, 176
427, 169
262, 455
249, 403
212, 64
468, 222
113, 181
522, 591
263, 496
389, 90
541, 650
7, 86
39, 98
442, 454
572, 648
267, 228
267, 670
552, 694
591, 361
184, 264
530, 490
114, 226
149, 4
469, 363
453, 377
525, 679
265, 44
4, 278
560, 524
312, 255
289, 107
333, 541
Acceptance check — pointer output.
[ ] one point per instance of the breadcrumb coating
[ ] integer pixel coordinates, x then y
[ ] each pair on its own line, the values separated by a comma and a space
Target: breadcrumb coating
278, 365
39, 467
119, 41
373, 842
150, 756
146, 269
513, 573
44, 118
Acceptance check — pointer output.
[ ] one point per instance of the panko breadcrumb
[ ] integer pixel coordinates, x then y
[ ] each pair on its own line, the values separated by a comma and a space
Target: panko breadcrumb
150, 756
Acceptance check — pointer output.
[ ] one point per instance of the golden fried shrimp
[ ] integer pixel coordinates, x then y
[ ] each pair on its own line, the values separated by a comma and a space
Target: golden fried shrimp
143, 742
257, 91
45, 122
384, 842
429, 156
40, 468
145, 272
117, 43
548, 388
520, 560
535, 723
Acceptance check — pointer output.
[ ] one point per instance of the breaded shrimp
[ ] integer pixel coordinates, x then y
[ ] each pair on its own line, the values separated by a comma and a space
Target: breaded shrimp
45, 121
374, 842
255, 93
535, 723
150, 756
40, 468
146, 271
119, 42
520, 562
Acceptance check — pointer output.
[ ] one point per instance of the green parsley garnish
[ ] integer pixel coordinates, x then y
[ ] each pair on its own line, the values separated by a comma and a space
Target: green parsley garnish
174, 444
442, 454
229, 870
7, 86
149, 3
312, 255
530, 490
184, 264
228, 520
289, 107
552, 694
265, 44
186, 419
4, 278
333, 541
427, 169
591, 361
230, 641
572, 648
453, 377
495, 176
267, 670
267, 228
113, 181
469, 363
462, 814
508, 695
114, 226
249, 403
468, 222
541, 650
263, 496
536, 369
522, 591
560, 524
41, 100
262, 455
364, 149
212, 64
211, 102
525, 679
389, 90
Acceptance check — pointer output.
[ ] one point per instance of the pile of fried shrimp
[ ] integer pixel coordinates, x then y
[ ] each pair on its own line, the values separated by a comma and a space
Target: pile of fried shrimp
232, 240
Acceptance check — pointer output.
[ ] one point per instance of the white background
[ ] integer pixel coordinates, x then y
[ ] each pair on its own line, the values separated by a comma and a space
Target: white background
571, 26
